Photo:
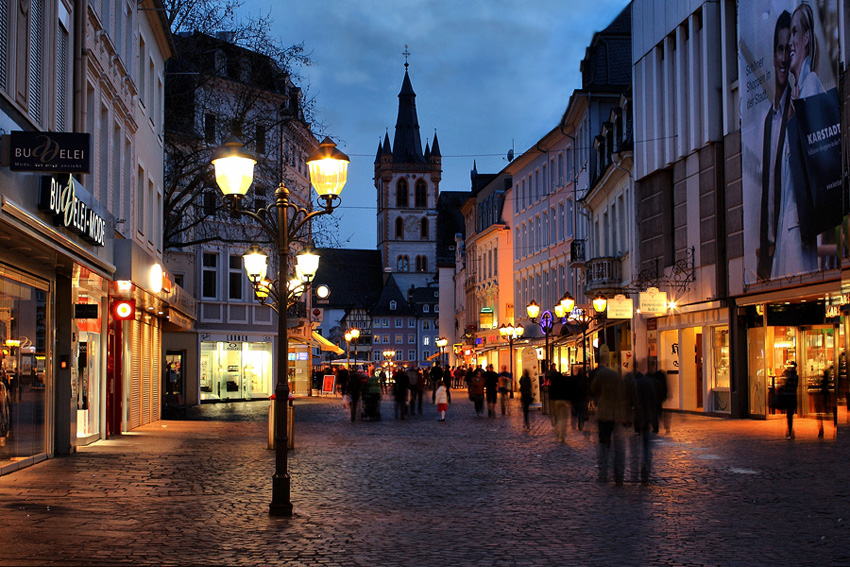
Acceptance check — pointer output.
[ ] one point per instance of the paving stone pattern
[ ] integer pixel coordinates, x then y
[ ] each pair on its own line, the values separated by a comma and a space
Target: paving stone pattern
469, 491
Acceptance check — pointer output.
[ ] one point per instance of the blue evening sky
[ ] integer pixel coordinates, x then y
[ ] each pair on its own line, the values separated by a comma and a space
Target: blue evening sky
488, 75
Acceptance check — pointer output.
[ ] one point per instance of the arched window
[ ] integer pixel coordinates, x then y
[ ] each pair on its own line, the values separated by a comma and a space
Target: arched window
421, 263
423, 229
399, 228
403, 264
401, 193
421, 198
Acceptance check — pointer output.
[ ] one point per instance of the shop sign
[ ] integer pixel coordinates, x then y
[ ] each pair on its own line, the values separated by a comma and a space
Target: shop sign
85, 311
653, 302
60, 152
60, 199
620, 307
485, 318
833, 311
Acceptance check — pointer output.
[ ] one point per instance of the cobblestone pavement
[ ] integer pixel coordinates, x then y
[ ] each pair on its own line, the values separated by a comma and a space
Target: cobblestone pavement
469, 491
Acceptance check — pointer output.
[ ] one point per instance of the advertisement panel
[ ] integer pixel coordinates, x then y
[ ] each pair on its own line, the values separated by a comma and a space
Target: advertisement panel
790, 136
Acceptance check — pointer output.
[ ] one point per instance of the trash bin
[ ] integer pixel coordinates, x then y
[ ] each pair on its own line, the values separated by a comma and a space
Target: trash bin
290, 423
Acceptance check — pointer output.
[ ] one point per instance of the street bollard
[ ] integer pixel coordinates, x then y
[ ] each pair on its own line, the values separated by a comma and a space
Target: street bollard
290, 423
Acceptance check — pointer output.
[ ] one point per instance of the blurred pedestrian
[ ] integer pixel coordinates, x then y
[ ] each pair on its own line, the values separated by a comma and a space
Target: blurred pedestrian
491, 386
504, 390
826, 404
577, 393
400, 388
659, 380
476, 391
525, 396
372, 398
643, 399
417, 387
788, 396
436, 379
558, 403
355, 387
442, 400
382, 378
608, 390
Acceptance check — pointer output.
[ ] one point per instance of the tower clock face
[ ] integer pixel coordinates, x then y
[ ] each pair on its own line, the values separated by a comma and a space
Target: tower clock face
410, 224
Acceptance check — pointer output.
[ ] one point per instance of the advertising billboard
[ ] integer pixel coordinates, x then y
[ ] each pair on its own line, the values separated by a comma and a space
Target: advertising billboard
790, 136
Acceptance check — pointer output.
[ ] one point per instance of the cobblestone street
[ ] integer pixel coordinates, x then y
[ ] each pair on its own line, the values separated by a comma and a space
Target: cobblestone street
469, 491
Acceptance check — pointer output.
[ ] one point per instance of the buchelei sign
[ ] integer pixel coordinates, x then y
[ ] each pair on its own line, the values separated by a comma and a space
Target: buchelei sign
66, 152
59, 197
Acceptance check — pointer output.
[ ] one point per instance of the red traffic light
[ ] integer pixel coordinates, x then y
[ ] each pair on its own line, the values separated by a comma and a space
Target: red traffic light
124, 309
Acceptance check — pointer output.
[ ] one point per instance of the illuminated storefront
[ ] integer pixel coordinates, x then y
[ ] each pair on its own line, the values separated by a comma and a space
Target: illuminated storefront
236, 370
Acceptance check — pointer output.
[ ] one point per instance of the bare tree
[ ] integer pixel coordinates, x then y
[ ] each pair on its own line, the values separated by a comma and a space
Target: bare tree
231, 77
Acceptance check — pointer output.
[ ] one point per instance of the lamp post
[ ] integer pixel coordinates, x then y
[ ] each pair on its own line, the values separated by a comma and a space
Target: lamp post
442, 342
354, 332
347, 337
234, 173
584, 317
547, 322
389, 355
511, 333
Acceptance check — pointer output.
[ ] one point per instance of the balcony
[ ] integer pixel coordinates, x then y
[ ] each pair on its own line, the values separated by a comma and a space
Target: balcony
603, 275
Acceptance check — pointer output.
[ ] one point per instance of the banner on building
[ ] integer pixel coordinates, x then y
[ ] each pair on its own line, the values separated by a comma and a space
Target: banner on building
790, 136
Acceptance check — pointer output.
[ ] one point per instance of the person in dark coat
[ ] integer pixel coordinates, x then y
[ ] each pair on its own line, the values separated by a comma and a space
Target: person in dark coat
789, 395
659, 378
342, 380
525, 396
558, 402
400, 388
491, 386
355, 386
476, 391
643, 398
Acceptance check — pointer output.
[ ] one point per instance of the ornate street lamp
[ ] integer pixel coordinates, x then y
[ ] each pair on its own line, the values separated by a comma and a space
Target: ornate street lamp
547, 323
584, 317
354, 332
442, 342
234, 173
511, 333
389, 354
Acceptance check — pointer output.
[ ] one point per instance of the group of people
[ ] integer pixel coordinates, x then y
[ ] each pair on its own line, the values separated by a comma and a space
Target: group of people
626, 407
408, 390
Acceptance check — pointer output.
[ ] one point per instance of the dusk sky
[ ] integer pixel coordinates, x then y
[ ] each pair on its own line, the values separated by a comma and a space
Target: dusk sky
489, 75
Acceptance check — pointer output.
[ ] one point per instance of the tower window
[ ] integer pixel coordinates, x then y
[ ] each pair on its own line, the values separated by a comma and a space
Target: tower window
401, 193
423, 229
421, 263
403, 264
399, 228
421, 194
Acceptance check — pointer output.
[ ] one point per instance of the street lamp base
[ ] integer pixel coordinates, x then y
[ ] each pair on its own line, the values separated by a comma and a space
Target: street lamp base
280, 504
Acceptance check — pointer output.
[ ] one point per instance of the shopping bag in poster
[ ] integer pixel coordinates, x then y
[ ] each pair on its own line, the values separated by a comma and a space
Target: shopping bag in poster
814, 143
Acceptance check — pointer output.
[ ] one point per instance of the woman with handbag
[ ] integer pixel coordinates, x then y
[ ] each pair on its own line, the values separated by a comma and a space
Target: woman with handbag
788, 395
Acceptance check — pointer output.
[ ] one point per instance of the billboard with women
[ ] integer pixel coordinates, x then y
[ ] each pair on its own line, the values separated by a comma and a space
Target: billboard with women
790, 136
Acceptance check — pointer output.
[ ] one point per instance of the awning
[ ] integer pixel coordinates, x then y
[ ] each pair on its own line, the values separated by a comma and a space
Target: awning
325, 345
435, 355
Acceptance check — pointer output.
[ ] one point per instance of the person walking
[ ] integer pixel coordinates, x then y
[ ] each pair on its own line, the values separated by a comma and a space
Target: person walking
788, 396
643, 399
417, 386
504, 390
607, 389
442, 400
355, 387
558, 403
659, 378
476, 391
491, 386
436, 376
402, 384
525, 396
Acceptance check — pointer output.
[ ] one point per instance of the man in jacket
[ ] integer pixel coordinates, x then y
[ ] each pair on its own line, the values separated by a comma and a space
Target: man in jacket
608, 389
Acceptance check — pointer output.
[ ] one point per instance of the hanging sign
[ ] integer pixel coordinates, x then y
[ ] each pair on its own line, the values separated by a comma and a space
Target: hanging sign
620, 307
59, 197
653, 302
60, 152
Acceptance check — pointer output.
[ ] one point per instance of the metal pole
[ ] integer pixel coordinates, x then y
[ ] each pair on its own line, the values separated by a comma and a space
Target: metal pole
513, 374
281, 504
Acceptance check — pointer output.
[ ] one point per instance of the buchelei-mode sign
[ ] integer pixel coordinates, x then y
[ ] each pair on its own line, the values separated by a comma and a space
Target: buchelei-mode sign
59, 197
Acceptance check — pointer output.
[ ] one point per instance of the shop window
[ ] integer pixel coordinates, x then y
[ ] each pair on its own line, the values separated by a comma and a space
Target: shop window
235, 370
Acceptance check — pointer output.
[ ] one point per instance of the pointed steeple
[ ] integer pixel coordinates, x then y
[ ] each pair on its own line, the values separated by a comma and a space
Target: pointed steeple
407, 145
387, 148
427, 151
378, 155
435, 147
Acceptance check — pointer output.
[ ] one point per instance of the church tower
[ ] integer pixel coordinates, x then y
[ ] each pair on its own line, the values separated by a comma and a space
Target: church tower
408, 185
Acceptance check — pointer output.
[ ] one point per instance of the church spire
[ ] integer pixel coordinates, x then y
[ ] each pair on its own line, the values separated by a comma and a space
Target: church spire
407, 145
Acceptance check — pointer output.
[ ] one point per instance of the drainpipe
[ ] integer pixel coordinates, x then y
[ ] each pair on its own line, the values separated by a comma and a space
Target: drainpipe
81, 8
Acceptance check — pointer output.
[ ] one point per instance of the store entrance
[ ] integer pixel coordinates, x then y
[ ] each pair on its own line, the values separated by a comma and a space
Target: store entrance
817, 358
